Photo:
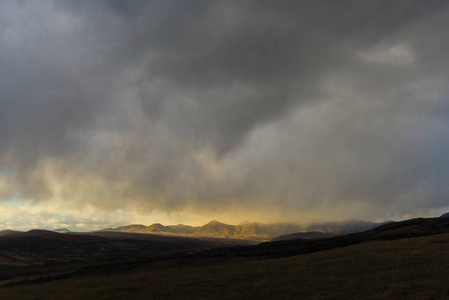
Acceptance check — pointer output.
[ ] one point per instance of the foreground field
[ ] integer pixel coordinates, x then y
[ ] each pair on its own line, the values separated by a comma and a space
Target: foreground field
414, 268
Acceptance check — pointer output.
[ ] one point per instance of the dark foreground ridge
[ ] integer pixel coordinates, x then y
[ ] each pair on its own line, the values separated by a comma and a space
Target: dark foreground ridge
400, 256
39, 256
37, 247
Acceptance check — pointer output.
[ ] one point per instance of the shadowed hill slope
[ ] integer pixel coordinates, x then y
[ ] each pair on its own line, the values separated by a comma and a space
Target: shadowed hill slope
415, 269
7, 232
42, 246
390, 231
304, 235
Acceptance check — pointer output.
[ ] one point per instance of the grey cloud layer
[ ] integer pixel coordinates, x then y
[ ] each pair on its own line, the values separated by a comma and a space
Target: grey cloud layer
316, 107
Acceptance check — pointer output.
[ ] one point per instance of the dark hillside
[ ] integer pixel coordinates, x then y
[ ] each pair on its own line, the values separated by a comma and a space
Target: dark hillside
7, 232
42, 246
390, 231
304, 235
52, 236
412, 269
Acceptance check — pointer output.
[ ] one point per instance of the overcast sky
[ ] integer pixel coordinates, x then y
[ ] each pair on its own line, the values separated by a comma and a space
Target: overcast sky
119, 112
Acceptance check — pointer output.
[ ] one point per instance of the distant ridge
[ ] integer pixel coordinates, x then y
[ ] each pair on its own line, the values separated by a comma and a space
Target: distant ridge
446, 215
251, 230
61, 230
7, 232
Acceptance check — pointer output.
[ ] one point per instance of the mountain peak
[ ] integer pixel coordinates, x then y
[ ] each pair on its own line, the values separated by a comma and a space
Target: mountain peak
213, 222
245, 230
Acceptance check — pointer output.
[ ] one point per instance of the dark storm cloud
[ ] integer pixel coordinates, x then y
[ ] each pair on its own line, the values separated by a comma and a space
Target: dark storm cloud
293, 105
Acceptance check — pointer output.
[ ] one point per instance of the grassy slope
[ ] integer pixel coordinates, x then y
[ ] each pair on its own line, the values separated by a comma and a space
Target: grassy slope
38, 247
414, 268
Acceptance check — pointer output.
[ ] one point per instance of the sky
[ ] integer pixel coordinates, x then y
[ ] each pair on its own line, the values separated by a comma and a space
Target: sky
119, 112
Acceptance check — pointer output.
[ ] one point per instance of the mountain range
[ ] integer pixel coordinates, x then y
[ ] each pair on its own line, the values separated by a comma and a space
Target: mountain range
44, 260
250, 230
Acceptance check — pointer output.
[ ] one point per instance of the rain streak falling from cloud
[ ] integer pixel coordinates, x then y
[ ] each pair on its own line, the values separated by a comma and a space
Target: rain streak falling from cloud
186, 110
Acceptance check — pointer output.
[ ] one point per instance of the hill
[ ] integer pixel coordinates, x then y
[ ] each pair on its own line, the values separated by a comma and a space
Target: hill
7, 232
390, 231
248, 230
218, 229
385, 268
36, 247
304, 235
180, 229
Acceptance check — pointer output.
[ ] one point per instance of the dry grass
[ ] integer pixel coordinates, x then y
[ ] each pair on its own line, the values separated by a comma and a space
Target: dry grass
415, 268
